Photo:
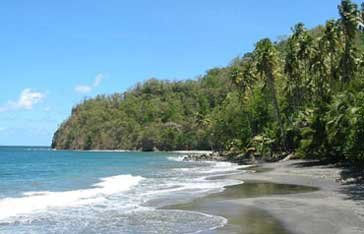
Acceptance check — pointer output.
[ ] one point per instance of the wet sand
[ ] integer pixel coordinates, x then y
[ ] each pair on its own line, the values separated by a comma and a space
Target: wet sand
244, 219
286, 198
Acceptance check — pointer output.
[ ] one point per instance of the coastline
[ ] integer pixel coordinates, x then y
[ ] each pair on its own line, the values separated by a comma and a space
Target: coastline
187, 152
335, 208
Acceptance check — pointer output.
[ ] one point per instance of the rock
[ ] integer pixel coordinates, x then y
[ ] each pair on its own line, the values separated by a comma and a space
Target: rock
251, 150
215, 156
288, 157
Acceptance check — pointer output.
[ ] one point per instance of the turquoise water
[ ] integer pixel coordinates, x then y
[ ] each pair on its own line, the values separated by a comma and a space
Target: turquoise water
46, 191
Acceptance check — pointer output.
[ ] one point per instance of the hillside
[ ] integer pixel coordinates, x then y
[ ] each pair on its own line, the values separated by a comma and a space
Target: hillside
156, 114
302, 95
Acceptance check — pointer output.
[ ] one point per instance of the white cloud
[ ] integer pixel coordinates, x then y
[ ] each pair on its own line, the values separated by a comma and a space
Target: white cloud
88, 88
28, 98
98, 79
26, 101
83, 89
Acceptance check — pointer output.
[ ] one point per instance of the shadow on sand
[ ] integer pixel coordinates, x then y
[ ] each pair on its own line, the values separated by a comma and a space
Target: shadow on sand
351, 176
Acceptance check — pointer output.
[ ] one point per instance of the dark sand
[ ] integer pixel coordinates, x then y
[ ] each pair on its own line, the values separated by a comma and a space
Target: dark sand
287, 202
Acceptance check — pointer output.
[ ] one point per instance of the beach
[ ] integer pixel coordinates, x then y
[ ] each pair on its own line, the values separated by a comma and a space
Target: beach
330, 207
46, 191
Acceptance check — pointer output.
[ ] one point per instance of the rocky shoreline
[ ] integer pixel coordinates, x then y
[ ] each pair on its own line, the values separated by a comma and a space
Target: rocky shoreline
213, 156
248, 158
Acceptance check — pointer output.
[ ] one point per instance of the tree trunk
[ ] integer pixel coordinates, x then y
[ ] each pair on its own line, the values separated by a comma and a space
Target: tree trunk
271, 86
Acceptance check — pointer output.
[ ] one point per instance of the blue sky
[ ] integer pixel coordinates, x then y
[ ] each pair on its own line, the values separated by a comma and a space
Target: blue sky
53, 54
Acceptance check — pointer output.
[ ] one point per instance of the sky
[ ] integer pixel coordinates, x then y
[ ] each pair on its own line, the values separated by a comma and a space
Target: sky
54, 54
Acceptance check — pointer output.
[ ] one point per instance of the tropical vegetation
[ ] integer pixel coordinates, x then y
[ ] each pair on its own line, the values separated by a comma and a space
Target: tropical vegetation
302, 95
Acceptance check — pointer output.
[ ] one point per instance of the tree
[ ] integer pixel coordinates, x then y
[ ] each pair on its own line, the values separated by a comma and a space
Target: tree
267, 65
243, 77
319, 67
322, 102
349, 21
297, 65
331, 44
326, 59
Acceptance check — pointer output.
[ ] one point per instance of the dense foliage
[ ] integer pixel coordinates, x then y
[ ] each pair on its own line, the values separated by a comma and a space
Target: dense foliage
304, 95
153, 115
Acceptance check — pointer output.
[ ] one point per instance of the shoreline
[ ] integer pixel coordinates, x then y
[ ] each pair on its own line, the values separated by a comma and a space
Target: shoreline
333, 209
187, 152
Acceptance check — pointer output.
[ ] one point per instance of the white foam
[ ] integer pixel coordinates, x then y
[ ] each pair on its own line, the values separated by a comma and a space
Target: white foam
213, 168
40, 201
195, 179
176, 158
182, 182
38, 149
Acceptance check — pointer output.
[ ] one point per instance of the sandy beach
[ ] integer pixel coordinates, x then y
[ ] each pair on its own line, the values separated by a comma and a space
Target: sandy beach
272, 201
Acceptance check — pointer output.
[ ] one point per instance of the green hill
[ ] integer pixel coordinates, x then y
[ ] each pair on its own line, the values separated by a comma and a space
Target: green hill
303, 95
156, 114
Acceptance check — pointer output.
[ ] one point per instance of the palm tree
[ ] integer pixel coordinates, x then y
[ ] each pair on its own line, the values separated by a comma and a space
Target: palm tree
349, 21
304, 41
320, 67
332, 45
326, 60
297, 64
267, 65
243, 76
349, 18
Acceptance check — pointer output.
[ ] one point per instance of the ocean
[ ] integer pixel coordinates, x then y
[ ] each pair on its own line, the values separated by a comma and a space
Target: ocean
47, 191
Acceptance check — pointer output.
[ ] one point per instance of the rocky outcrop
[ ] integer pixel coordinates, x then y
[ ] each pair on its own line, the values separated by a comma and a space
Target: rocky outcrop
215, 156
235, 157
248, 157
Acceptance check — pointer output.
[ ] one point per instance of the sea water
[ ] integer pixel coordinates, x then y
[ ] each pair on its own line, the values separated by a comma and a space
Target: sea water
47, 191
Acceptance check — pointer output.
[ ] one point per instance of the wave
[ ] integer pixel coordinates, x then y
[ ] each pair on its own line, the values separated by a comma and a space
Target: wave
213, 167
196, 186
123, 199
42, 200
176, 158
192, 182
37, 149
